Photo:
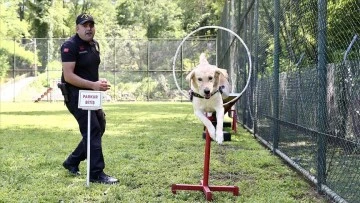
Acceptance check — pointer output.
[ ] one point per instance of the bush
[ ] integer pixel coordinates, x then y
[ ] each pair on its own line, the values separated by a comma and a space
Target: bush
24, 59
4, 65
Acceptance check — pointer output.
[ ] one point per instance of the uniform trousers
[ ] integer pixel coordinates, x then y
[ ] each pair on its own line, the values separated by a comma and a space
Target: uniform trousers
98, 124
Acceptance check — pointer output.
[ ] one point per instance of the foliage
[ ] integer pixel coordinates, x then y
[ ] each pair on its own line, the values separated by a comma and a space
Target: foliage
198, 13
37, 17
173, 19
55, 66
343, 24
4, 64
148, 146
299, 32
126, 91
11, 26
24, 58
160, 18
140, 91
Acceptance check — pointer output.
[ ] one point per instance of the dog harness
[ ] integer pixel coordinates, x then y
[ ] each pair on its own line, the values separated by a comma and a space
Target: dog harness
193, 94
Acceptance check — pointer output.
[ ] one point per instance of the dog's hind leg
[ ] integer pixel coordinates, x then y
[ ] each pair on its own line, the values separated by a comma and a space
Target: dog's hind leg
208, 124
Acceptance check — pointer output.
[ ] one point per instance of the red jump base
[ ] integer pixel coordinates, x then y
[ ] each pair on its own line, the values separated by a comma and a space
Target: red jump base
207, 190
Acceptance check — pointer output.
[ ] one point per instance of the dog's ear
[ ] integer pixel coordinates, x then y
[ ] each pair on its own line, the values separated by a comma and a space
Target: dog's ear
190, 75
191, 78
216, 80
222, 71
218, 72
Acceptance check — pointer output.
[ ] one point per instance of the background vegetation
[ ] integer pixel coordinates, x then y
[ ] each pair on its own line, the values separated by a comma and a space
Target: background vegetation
21, 20
51, 19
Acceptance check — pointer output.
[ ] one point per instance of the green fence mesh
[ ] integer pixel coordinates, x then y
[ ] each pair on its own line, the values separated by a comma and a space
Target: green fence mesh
138, 70
304, 99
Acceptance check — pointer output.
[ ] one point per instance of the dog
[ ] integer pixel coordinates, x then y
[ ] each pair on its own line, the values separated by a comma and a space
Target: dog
209, 86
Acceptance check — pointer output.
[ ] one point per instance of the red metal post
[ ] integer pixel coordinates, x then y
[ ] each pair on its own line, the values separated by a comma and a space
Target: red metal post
234, 121
207, 159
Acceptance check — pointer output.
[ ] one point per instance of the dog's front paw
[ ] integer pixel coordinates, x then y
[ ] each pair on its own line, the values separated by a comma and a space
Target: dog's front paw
212, 133
219, 137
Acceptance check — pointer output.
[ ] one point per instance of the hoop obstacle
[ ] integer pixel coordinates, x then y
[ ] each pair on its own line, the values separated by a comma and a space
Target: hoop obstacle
204, 183
221, 28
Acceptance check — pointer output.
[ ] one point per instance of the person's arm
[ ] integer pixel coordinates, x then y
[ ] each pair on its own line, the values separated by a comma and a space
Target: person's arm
72, 78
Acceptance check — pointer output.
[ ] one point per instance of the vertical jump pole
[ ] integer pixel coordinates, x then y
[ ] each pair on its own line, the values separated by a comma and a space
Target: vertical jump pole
206, 159
88, 151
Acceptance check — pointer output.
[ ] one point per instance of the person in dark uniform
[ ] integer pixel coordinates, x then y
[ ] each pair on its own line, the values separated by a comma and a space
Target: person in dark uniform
80, 58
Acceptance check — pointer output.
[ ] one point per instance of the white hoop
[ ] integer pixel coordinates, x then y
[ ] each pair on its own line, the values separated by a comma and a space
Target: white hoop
221, 28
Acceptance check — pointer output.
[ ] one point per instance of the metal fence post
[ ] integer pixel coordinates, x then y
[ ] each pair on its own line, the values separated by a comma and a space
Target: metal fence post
115, 68
242, 9
276, 127
256, 54
182, 69
14, 65
35, 58
148, 69
321, 114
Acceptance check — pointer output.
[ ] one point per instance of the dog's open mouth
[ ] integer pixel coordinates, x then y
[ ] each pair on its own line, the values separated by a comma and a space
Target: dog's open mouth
207, 96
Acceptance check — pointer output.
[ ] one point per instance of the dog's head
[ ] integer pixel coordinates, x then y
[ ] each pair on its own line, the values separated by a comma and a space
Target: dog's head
205, 78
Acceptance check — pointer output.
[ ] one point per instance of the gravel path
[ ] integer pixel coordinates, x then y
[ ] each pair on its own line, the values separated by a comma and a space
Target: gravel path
10, 90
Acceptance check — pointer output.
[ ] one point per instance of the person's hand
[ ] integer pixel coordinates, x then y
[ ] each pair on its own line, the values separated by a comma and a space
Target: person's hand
101, 85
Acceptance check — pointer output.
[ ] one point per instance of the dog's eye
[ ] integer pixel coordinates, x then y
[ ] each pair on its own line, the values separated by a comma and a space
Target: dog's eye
200, 79
210, 78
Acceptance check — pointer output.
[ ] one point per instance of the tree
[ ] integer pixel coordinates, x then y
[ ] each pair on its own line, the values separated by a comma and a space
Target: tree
198, 13
4, 65
10, 25
343, 24
38, 12
160, 18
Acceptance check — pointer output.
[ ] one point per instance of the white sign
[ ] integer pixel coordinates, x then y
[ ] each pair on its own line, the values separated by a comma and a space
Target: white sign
90, 100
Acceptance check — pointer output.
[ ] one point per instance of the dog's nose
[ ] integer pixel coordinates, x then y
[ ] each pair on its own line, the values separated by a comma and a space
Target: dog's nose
206, 91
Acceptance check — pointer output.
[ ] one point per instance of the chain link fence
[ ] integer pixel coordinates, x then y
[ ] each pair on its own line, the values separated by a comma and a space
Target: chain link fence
138, 70
304, 97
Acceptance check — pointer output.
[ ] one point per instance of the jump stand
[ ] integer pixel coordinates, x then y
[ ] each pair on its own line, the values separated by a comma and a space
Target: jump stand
204, 183
234, 119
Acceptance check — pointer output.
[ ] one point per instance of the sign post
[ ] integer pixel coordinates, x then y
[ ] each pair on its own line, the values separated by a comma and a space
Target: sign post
89, 100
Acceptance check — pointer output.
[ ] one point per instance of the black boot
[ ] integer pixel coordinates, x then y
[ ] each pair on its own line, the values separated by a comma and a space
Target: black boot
73, 170
103, 178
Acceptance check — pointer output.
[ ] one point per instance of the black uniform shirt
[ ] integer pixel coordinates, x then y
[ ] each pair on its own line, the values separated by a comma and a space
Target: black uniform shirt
85, 54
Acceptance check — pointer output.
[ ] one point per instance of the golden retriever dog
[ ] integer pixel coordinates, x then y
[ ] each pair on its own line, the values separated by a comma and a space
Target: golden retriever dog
209, 86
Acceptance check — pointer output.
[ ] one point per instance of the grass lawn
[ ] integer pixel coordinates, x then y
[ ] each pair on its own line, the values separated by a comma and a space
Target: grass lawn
147, 146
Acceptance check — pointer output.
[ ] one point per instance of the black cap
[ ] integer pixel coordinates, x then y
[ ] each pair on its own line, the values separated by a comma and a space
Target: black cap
83, 18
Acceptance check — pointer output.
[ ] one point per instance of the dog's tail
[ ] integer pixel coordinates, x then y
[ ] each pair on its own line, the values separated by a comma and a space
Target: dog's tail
203, 59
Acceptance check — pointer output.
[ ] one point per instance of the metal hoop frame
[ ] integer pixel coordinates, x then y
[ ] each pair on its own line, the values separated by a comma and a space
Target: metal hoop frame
221, 28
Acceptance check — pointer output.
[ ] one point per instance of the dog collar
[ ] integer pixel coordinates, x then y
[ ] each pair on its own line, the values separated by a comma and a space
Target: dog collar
193, 94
